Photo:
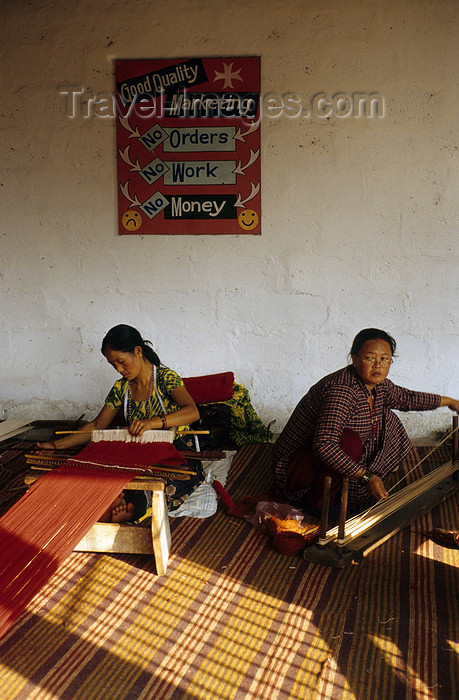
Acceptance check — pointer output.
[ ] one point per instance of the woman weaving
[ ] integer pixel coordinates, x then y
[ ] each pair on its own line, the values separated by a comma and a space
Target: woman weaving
345, 426
151, 397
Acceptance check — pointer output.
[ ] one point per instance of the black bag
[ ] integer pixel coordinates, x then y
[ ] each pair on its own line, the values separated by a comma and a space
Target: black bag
216, 418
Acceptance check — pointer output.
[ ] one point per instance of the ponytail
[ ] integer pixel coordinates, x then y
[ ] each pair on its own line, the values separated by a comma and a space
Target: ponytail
149, 353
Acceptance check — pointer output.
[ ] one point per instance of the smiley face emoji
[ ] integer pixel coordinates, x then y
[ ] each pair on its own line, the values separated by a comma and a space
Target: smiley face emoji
248, 219
131, 220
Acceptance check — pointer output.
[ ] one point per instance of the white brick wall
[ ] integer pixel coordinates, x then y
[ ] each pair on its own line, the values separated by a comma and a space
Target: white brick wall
359, 215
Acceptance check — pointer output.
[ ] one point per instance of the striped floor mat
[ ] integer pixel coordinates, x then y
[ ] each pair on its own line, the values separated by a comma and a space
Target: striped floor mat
234, 619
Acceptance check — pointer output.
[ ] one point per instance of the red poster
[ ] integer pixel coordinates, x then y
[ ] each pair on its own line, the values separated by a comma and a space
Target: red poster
188, 145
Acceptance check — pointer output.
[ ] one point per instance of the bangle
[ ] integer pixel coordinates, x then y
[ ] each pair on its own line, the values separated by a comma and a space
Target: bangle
365, 478
164, 421
53, 444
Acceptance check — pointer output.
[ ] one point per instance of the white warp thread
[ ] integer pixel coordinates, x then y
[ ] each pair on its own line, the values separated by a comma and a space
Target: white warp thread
123, 435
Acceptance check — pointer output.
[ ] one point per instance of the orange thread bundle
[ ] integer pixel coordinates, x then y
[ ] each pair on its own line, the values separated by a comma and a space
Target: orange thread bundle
289, 535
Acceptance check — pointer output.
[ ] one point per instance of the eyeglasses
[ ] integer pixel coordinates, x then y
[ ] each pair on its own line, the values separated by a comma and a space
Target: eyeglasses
383, 361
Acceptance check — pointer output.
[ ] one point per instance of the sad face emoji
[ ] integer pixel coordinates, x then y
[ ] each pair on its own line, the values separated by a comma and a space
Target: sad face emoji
248, 219
131, 220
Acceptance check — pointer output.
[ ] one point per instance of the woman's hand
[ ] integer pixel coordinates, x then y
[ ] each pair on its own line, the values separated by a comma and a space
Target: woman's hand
186, 413
138, 427
453, 404
376, 487
83, 435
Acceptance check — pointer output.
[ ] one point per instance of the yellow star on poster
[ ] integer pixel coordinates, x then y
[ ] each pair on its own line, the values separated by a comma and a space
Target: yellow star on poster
228, 76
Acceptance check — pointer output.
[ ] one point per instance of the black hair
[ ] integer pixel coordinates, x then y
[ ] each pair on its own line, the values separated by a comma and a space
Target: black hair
371, 334
125, 339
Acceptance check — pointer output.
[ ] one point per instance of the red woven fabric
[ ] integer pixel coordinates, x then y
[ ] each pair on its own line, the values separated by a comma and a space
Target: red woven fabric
130, 454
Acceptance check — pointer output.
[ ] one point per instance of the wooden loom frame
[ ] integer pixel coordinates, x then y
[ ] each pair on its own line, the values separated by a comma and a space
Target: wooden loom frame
127, 538
336, 549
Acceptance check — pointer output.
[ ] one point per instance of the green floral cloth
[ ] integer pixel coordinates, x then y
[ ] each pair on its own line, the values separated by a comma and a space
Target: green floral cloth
246, 426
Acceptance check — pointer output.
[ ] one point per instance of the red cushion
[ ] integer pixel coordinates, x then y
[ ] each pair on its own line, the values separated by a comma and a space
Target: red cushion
210, 387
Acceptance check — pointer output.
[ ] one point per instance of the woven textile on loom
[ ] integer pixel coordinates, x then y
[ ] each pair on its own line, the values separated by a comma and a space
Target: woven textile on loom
40, 531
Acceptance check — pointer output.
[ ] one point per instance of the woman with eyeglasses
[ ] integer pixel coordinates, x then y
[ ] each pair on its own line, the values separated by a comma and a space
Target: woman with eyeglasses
345, 426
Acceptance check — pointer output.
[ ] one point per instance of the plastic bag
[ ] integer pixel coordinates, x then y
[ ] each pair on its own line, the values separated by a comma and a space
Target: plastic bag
269, 517
290, 529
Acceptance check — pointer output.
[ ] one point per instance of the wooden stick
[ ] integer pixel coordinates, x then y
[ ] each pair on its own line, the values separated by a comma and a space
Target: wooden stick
86, 432
73, 432
44, 464
455, 450
134, 467
49, 454
343, 510
325, 510
137, 467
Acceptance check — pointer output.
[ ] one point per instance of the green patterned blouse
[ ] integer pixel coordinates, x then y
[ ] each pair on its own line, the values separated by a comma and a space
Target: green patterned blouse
166, 379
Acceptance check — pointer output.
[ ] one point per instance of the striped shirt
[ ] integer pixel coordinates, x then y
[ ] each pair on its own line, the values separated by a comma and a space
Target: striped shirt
338, 401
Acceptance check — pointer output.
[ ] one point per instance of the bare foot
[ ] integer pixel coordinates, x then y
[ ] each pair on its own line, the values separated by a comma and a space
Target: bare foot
46, 445
123, 513
106, 517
